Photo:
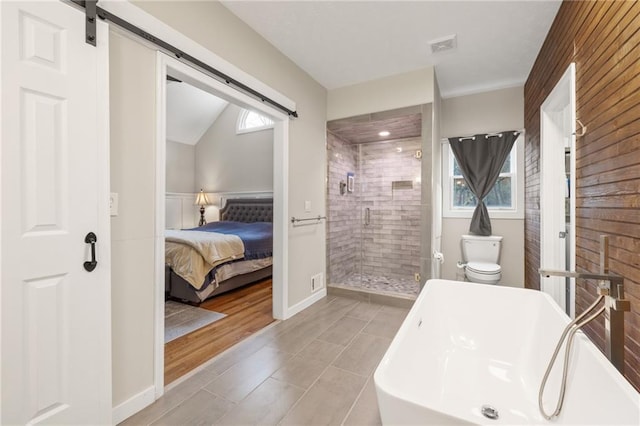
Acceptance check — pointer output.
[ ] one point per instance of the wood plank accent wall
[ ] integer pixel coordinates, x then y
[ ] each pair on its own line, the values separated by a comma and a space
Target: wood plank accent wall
603, 39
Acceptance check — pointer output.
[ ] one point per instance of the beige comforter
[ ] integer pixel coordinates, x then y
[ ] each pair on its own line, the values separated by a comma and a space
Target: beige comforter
192, 254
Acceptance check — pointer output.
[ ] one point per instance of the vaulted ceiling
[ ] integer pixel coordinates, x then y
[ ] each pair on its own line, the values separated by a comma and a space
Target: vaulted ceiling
190, 112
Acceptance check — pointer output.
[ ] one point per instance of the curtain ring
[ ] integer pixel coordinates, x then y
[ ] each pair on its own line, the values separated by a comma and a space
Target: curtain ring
583, 129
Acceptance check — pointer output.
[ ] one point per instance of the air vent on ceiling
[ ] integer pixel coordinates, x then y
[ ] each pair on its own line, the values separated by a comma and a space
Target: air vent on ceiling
443, 44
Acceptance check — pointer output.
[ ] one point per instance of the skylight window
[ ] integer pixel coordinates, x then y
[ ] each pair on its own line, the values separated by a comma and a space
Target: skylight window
251, 121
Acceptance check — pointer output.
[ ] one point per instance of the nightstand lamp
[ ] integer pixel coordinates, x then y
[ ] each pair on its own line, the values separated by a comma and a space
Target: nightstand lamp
202, 200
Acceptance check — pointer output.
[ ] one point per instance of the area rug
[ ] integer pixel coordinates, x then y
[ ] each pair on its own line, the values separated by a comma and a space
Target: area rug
181, 319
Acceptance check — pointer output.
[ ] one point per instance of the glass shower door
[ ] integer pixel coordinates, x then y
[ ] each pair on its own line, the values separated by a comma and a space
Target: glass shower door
390, 202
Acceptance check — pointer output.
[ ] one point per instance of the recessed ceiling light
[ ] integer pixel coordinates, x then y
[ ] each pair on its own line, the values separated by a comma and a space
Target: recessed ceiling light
384, 133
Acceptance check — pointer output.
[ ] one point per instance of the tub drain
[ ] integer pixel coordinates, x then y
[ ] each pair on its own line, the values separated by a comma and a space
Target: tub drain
489, 412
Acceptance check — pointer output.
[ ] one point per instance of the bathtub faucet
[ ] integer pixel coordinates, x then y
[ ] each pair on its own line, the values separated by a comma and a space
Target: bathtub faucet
611, 286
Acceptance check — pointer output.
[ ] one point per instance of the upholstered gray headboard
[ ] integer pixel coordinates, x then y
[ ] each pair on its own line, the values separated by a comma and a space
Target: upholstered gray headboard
248, 210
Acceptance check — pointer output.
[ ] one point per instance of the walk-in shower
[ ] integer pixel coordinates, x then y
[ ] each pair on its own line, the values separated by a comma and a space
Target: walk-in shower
375, 209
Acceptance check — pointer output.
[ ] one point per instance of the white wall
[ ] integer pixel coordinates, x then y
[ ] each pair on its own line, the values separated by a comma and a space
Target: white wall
228, 162
398, 91
133, 109
133, 120
481, 113
180, 168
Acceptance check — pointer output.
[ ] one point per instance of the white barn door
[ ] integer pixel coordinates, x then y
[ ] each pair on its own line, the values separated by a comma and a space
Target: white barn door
55, 314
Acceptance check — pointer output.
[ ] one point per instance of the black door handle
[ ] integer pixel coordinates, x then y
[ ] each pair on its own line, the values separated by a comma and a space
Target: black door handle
91, 239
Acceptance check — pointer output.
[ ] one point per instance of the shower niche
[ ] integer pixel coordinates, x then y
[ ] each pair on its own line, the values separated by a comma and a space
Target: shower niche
377, 220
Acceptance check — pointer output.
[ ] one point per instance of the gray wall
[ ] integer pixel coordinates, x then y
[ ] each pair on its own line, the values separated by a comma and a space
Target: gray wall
485, 112
180, 171
228, 162
214, 27
133, 124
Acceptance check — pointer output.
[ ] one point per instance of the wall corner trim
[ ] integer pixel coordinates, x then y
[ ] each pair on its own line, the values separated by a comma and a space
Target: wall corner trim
134, 404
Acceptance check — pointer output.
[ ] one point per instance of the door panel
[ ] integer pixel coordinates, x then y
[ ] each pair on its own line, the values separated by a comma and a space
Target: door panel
56, 350
557, 199
553, 237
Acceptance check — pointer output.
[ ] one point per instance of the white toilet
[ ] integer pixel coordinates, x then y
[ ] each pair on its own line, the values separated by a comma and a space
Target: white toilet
481, 256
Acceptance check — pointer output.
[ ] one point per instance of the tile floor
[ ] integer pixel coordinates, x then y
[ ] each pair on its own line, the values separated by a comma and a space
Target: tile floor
315, 368
381, 284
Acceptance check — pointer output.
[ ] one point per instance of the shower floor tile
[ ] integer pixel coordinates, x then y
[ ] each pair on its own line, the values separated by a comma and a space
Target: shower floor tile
382, 284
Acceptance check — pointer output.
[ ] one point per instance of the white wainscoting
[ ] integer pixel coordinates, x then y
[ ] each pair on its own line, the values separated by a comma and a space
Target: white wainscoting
180, 211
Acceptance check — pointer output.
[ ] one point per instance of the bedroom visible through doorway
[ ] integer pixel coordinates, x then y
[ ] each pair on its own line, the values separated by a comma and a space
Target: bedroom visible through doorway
219, 181
210, 155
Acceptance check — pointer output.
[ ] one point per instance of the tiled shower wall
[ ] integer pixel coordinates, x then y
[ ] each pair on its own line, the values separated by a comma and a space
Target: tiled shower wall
390, 184
343, 251
387, 181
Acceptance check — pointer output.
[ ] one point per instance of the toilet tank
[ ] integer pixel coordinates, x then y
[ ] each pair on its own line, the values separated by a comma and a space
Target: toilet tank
476, 248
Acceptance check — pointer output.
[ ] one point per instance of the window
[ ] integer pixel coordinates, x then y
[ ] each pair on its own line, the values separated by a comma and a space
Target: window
505, 199
251, 121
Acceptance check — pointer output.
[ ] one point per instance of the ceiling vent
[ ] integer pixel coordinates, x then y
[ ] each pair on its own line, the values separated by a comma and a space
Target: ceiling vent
443, 44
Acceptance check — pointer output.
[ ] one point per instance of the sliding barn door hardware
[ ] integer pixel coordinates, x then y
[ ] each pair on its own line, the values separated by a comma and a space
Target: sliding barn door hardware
92, 10
90, 24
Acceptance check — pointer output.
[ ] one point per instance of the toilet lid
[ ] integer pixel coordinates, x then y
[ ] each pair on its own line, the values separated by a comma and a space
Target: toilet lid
484, 268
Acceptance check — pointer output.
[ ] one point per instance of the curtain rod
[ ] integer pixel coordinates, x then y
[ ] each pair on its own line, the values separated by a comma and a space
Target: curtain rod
446, 140
90, 7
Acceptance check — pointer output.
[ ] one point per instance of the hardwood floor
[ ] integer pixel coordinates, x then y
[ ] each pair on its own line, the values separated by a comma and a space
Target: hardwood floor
248, 310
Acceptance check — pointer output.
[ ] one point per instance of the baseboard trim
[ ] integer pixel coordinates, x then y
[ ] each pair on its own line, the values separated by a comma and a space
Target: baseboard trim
300, 306
134, 404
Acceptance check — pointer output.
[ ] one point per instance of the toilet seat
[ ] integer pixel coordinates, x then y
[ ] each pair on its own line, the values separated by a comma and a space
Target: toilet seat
484, 273
484, 268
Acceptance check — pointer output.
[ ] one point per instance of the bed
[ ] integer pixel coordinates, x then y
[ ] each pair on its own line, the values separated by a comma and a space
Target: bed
221, 256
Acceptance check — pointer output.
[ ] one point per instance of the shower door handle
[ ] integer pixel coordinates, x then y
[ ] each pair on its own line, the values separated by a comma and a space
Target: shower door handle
367, 216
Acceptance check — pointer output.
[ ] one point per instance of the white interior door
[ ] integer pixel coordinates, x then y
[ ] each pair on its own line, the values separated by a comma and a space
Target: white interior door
55, 315
557, 189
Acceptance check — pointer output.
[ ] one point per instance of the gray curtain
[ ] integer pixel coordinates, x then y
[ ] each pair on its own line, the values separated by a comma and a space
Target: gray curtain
480, 158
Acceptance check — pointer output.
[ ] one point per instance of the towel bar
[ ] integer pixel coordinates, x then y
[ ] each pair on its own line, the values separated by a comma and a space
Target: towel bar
317, 219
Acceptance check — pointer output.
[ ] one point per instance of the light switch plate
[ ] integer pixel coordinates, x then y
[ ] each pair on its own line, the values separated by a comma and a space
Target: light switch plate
113, 204
307, 206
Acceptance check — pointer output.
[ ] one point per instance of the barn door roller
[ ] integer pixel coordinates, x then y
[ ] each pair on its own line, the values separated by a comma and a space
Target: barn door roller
90, 9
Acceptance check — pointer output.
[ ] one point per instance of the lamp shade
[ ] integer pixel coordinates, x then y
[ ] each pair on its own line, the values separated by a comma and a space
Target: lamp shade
202, 200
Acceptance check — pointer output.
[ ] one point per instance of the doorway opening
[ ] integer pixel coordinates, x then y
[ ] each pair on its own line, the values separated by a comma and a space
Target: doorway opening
557, 189
235, 103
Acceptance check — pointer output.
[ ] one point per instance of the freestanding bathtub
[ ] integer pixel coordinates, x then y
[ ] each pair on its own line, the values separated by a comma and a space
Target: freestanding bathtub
464, 346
